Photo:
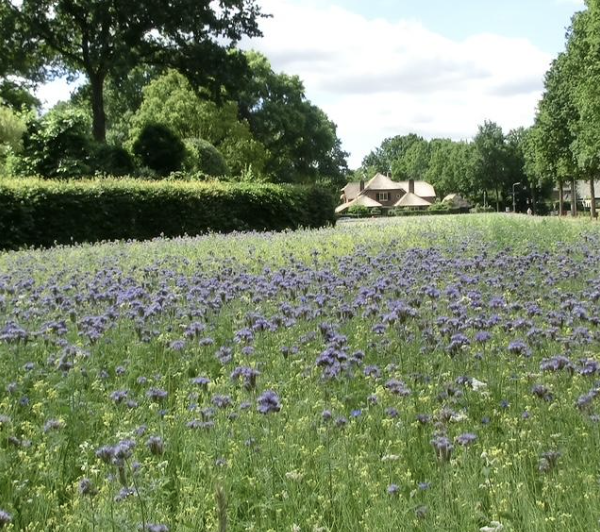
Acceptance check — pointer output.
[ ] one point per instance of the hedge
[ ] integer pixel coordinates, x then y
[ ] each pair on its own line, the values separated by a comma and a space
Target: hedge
43, 213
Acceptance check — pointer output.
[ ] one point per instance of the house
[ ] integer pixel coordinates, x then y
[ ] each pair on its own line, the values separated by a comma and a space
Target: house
456, 201
382, 192
582, 190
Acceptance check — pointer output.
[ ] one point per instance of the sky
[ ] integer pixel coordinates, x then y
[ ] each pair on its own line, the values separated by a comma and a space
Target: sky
438, 68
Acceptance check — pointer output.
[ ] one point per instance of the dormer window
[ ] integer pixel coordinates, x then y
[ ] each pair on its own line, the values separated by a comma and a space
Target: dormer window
383, 196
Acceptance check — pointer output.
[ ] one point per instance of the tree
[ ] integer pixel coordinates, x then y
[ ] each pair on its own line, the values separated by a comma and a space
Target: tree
171, 100
159, 149
414, 162
490, 159
98, 38
583, 49
12, 129
382, 159
300, 138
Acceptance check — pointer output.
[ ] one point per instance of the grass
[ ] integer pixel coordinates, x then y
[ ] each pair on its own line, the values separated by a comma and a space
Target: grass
369, 335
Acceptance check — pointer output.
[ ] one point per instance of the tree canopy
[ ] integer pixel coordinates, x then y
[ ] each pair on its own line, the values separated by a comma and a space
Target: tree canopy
98, 39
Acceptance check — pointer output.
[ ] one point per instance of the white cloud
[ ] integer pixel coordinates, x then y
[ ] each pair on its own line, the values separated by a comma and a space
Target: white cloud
377, 78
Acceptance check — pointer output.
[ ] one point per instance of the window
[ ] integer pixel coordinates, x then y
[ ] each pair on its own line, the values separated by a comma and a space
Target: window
383, 196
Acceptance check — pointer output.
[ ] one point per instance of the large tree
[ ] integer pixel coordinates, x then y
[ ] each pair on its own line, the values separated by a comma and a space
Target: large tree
102, 38
490, 159
301, 139
383, 158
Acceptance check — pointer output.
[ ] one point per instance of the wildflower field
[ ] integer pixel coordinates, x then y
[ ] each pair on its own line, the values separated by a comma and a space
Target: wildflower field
413, 374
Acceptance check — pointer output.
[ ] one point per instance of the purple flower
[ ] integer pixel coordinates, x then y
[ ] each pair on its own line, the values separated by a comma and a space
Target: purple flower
86, 487
482, 337
248, 375
465, 439
518, 347
156, 394
393, 489
443, 448
397, 388
153, 527
269, 402
156, 445
203, 382
221, 401
5, 518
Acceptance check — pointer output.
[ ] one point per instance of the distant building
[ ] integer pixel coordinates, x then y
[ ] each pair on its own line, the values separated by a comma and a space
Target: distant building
382, 192
582, 190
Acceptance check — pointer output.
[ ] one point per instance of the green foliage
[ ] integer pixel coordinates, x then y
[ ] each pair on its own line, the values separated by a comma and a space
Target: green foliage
301, 141
12, 129
35, 212
111, 160
205, 158
159, 149
100, 39
58, 145
414, 162
360, 211
391, 150
171, 100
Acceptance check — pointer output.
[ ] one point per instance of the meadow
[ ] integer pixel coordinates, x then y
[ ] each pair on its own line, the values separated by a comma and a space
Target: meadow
426, 374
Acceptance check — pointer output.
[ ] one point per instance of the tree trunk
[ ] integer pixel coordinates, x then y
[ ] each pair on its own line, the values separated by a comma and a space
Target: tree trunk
497, 199
561, 199
573, 198
533, 200
98, 114
593, 199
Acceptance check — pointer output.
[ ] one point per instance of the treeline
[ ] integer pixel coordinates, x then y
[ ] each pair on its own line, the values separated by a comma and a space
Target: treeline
166, 93
483, 171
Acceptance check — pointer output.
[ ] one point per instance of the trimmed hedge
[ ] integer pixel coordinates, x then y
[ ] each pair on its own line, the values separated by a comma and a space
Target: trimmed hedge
43, 213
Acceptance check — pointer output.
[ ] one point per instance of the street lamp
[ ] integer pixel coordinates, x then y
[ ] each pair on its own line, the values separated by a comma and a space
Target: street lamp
514, 204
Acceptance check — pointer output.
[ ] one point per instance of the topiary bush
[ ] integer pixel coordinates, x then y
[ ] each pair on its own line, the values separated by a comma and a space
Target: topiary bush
35, 212
111, 160
159, 149
203, 157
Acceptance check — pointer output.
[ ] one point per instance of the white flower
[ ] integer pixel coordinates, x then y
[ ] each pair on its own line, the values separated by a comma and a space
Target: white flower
478, 385
495, 526
390, 458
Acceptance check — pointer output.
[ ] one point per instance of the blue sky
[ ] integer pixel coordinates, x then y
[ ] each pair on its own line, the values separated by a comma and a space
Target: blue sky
541, 21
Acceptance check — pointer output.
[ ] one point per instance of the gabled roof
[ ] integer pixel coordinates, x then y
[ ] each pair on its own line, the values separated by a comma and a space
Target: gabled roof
412, 200
382, 182
351, 190
422, 188
362, 201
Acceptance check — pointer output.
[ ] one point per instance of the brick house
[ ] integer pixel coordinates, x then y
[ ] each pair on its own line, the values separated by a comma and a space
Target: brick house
382, 192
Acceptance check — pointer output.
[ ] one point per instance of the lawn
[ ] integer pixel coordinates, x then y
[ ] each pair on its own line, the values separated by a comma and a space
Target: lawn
389, 375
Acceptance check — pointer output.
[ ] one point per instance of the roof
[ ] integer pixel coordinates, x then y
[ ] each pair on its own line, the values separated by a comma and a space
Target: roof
457, 200
361, 201
382, 182
351, 190
422, 188
412, 200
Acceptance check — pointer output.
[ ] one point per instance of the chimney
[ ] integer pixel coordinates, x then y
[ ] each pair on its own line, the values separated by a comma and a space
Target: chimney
411, 186
362, 185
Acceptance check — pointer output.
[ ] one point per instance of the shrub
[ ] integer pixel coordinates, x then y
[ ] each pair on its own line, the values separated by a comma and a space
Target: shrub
112, 160
41, 213
359, 211
57, 145
205, 158
159, 149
